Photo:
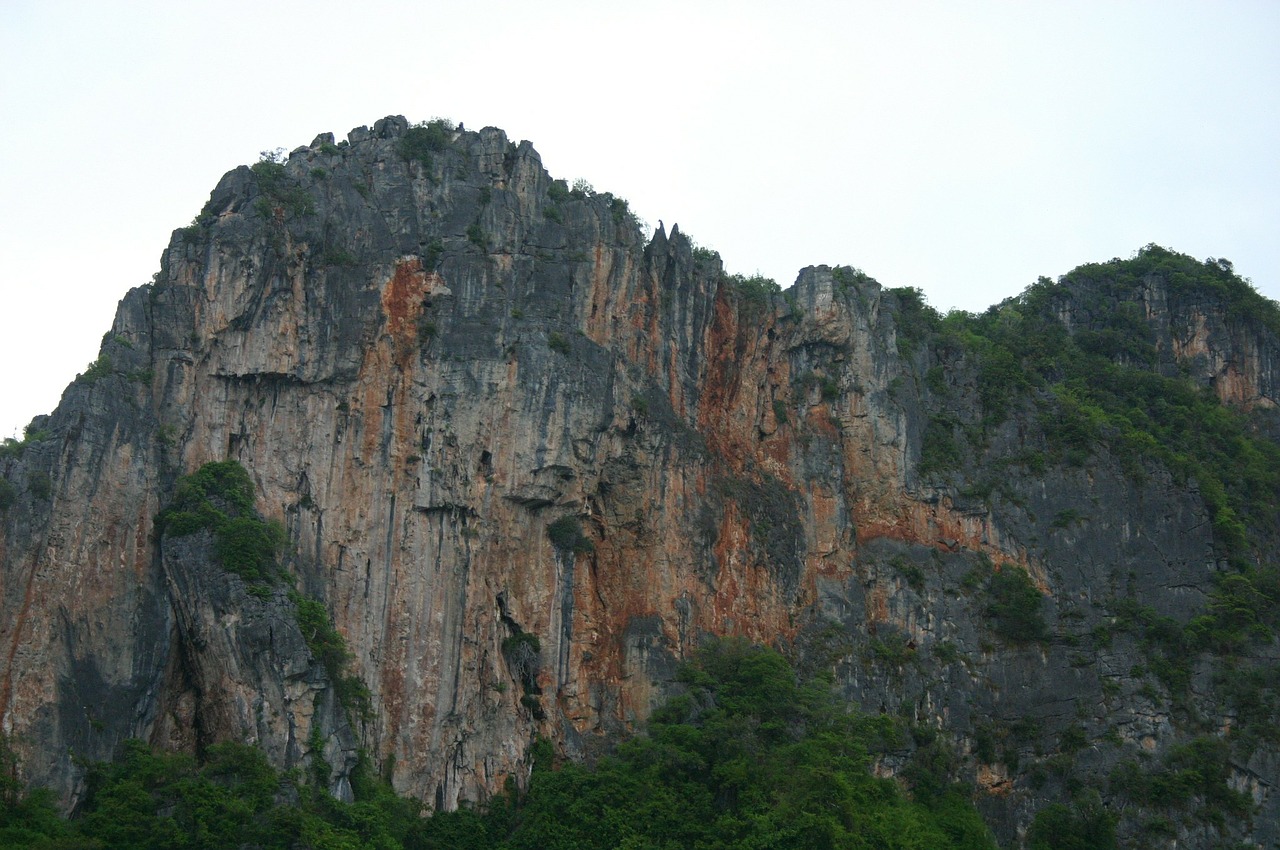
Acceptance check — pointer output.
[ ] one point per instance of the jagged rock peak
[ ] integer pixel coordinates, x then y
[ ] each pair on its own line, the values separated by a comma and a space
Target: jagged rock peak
527, 457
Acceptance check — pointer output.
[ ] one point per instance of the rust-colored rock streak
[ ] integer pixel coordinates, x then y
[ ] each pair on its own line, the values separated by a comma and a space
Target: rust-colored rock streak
420, 416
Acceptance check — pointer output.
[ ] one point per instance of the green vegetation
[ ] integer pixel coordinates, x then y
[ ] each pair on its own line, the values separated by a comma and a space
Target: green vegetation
915, 319
1093, 388
427, 328
1094, 385
191, 233
1067, 517
329, 648
558, 343
1014, 606
27, 819
704, 256
281, 195
828, 386
477, 237
39, 485
434, 251
1085, 825
12, 448
8, 494
566, 535
911, 573
1012, 601
848, 278
219, 497
232, 798
940, 447
420, 141
755, 291
893, 650
621, 212
1192, 777
96, 370
335, 255
558, 191
559, 194
748, 756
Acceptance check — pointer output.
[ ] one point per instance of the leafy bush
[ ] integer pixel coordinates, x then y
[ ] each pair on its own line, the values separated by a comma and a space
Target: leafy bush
1087, 825
705, 256
207, 496
940, 450
420, 141
335, 255
96, 370
219, 497
434, 251
621, 212
558, 191
8, 494
893, 650
558, 343
911, 573
755, 291
566, 535
39, 485
1191, 776
847, 278
330, 649
1015, 606
916, 320
31, 434
248, 547
280, 194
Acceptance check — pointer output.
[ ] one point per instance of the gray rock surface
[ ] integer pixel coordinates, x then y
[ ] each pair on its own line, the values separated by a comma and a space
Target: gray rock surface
425, 363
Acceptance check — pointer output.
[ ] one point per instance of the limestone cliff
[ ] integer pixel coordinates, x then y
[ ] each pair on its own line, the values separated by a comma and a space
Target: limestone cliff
485, 407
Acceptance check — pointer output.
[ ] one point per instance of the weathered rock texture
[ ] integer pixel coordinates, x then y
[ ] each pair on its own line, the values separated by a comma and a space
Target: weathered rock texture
425, 365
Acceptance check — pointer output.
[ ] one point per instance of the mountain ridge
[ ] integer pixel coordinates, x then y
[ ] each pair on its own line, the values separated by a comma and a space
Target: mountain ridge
482, 405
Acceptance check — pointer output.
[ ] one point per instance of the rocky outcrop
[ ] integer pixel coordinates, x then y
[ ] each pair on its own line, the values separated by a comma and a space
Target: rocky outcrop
487, 410
239, 669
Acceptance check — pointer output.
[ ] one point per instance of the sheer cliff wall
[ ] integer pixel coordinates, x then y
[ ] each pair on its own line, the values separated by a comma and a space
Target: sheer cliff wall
484, 406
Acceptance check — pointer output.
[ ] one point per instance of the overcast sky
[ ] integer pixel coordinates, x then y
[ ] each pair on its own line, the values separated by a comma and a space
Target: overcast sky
962, 147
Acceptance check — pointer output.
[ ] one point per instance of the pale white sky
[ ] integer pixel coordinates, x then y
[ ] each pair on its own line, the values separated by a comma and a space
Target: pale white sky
962, 147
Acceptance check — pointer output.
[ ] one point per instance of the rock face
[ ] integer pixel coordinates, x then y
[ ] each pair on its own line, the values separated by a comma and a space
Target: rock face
488, 411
